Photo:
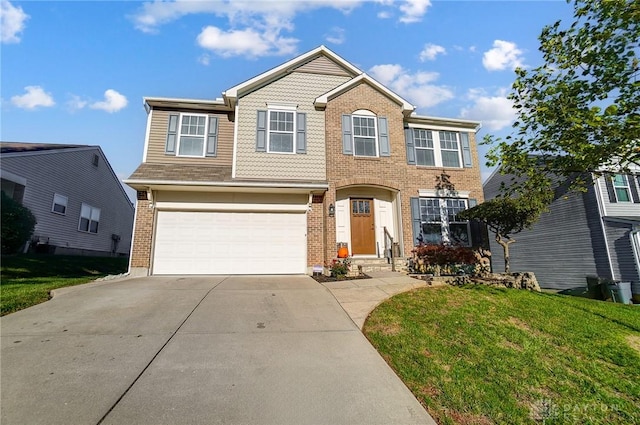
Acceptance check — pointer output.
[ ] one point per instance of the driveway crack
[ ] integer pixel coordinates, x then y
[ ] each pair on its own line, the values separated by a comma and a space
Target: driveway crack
113, 406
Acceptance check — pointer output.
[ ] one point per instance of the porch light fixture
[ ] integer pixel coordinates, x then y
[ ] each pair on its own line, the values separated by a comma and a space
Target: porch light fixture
332, 210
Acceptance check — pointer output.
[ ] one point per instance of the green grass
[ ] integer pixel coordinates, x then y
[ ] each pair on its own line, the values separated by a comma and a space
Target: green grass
26, 280
479, 355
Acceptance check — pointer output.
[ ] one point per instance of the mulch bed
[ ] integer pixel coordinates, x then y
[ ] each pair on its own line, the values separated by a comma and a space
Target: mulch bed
324, 279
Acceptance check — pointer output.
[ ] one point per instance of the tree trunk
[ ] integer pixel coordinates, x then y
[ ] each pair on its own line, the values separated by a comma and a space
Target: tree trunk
505, 246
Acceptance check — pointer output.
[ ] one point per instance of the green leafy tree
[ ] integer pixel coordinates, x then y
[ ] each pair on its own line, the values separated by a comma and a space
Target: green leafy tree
17, 224
579, 112
506, 216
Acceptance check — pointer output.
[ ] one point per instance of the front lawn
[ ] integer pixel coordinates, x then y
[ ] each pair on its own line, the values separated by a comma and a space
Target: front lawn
479, 355
26, 280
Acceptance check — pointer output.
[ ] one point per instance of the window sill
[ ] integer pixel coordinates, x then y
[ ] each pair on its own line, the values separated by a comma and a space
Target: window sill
367, 158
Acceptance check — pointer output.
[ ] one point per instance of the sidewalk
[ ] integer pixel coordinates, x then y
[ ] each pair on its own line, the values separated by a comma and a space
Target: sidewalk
358, 297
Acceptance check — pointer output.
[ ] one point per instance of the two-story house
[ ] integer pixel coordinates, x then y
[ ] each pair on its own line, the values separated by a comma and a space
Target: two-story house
270, 177
595, 233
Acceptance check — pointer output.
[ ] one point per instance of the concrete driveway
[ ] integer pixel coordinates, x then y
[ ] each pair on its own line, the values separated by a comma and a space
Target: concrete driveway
197, 350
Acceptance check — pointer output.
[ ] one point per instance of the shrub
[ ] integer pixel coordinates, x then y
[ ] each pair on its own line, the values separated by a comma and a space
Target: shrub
340, 267
17, 224
443, 259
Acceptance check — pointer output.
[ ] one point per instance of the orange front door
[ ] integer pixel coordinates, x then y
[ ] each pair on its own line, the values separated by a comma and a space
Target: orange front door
363, 236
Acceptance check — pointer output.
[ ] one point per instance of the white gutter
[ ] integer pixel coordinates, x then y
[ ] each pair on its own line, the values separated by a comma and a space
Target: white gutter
602, 213
227, 184
634, 235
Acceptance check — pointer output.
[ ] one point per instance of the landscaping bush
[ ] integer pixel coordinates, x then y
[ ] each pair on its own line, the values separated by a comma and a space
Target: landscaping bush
17, 224
443, 259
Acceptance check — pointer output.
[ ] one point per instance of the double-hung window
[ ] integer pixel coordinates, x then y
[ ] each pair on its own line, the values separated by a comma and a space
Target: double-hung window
437, 148
192, 131
281, 131
89, 219
449, 149
364, 136
621, 188
192, 135
439, 222
59, 204
425, 154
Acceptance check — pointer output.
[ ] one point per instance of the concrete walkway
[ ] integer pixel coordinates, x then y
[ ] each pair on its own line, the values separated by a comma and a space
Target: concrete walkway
199, 350
359, 297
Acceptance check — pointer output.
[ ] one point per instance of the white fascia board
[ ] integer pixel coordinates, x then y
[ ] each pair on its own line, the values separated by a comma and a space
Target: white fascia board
7, 175
422, 120
146, 135
322, 101
168, 102
231, 94
233, 185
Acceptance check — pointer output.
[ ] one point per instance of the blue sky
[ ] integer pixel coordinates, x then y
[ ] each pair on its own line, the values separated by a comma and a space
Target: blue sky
76, 71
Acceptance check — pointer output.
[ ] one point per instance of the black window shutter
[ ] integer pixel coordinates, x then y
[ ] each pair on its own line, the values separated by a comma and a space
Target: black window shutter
608, 181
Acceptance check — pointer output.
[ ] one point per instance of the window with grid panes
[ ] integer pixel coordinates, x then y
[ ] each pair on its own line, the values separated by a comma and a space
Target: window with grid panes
423, 140
449, 149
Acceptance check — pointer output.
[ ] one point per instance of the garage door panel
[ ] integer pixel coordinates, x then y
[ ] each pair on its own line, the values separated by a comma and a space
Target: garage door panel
229, 243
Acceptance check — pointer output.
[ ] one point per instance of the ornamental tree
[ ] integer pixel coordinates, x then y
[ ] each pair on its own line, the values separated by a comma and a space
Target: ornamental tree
506, 216
579, 112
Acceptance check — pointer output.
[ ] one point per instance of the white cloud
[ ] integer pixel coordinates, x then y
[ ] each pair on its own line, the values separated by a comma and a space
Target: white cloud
248, 42
76, 103
503, 55
416, 88
494, 111
204, 59
430, 52
113, 102
336, 35
12, 22
261, 22
413, 10
34, 97
384, 14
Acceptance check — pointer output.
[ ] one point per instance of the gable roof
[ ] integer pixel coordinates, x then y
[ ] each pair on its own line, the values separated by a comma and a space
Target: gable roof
231, 95
321, 101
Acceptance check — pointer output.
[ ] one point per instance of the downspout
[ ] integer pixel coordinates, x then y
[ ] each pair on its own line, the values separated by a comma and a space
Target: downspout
634, 235
601, 212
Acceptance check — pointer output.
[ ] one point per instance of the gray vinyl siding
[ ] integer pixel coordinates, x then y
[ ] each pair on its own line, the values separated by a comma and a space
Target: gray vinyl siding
558, 248
621, 252
158, 138
70, 172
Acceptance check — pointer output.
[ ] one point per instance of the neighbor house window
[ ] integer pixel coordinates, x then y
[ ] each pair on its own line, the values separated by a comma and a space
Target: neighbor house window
89, 219
59, 204
424, 147
364, 136
281, 131
440, 223
621, 187
449, 149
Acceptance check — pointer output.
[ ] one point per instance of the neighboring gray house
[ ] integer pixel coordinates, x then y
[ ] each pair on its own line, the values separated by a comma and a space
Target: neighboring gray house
78, 202
593, 233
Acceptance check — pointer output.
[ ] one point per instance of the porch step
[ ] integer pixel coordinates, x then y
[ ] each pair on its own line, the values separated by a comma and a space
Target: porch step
377, 264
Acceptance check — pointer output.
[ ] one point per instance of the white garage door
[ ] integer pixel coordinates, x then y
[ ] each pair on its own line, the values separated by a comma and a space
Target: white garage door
230, 243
